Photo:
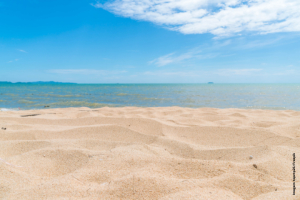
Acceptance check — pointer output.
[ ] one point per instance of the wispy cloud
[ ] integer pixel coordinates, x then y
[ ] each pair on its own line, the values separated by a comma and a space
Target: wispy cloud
218, 48
13, 60
286, 73
222, 73
174, 58
229, 72
23, 51
258, 43
164, 60
174, 73
85, 71
219, 17
97, 5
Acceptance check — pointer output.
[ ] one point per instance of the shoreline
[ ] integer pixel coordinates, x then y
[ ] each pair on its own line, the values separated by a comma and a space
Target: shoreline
142, 107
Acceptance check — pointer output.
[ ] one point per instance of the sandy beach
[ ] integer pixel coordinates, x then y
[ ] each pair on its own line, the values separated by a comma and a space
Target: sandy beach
149, 153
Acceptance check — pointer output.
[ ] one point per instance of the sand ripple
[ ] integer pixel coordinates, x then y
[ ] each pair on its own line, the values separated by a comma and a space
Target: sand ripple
148, 153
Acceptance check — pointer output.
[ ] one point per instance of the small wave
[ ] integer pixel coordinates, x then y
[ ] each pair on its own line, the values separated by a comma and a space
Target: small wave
122, 94
37, 98
266, 108
8, 109
26, 102
76, 104
58, 95
153, 99
12, 95
188, 100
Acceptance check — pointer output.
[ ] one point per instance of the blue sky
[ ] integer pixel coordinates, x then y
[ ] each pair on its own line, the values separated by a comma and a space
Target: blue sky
153, 41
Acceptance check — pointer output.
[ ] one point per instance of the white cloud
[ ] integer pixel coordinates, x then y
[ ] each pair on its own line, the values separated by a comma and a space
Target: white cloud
219, 17
22, 51
84, 71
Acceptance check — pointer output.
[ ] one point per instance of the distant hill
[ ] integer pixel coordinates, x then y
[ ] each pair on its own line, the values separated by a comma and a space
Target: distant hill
38, 82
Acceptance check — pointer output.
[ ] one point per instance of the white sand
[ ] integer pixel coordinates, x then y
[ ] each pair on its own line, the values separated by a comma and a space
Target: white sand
149, 153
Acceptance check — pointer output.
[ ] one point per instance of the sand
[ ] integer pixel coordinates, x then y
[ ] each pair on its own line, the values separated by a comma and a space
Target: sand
149, 153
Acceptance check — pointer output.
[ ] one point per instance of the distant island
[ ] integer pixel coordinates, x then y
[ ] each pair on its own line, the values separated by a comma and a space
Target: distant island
210, 82
37, 82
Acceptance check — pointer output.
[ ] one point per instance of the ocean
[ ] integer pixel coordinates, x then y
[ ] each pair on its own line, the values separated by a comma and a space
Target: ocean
245, 96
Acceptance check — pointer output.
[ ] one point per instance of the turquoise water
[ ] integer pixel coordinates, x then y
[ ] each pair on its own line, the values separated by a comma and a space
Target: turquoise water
249, 96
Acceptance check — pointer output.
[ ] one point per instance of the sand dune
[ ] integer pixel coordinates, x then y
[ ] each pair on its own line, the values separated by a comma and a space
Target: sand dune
148, 153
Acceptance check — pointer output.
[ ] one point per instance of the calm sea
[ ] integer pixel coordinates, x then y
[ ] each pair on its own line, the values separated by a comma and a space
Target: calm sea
249, 96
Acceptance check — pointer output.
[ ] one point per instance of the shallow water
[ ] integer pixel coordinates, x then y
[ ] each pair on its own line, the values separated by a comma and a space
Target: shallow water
249, 96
